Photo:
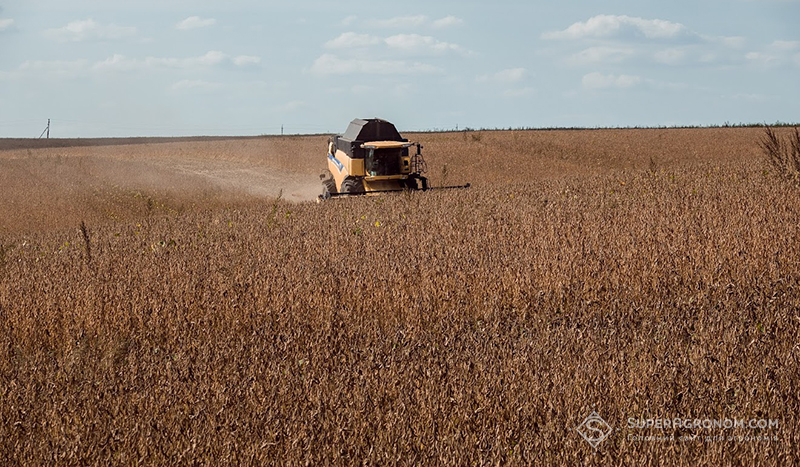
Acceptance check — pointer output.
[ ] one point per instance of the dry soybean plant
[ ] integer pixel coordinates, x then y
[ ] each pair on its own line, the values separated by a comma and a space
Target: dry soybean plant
451, 328
783, 154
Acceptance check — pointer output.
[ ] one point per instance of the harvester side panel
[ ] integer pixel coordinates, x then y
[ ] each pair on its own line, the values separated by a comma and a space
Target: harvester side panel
342, 166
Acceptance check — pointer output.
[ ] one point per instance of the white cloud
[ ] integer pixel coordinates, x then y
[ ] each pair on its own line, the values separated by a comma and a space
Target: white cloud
89, 29
246, 60
602, 54
398, 22
195, 22
352, 40
762, 59
620, 38
777, 54
417, 44
600, 81
211, 58
786, 45
509, 76
602, 26
411, 21
447, 22
329, 64
408, 43
6, 24
119, 62
349, 20
734, 42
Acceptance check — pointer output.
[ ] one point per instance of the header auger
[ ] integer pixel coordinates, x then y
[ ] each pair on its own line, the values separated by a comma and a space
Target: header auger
372, 157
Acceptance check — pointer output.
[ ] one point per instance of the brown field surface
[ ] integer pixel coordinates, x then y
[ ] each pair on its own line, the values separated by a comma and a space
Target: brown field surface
641, 274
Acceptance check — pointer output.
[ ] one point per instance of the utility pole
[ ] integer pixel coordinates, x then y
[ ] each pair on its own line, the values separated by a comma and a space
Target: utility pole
281, 129
46, 130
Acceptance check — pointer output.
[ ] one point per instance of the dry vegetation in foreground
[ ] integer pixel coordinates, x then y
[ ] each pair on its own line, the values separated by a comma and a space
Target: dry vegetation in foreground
641, 274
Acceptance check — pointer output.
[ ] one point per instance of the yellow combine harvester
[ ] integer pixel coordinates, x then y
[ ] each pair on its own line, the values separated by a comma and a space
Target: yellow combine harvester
372, 157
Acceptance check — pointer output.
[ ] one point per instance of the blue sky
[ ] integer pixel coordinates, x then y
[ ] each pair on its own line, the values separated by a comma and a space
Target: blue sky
161, 68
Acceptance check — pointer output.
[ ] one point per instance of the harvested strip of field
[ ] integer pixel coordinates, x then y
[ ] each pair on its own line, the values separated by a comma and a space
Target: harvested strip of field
59, 187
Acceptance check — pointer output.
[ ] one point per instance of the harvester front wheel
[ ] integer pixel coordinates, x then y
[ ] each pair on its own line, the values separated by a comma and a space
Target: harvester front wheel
352, 185
328, 184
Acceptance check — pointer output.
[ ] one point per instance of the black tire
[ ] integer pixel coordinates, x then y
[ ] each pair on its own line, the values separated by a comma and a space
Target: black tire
328, 184
352, 185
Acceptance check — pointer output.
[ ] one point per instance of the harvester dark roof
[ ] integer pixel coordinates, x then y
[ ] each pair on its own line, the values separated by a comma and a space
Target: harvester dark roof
373, 129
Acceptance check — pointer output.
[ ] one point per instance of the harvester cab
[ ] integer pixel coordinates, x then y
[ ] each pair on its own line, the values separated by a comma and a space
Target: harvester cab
372, 157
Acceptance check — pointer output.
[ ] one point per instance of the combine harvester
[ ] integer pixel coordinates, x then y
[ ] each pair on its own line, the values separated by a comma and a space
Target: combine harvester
372, 157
